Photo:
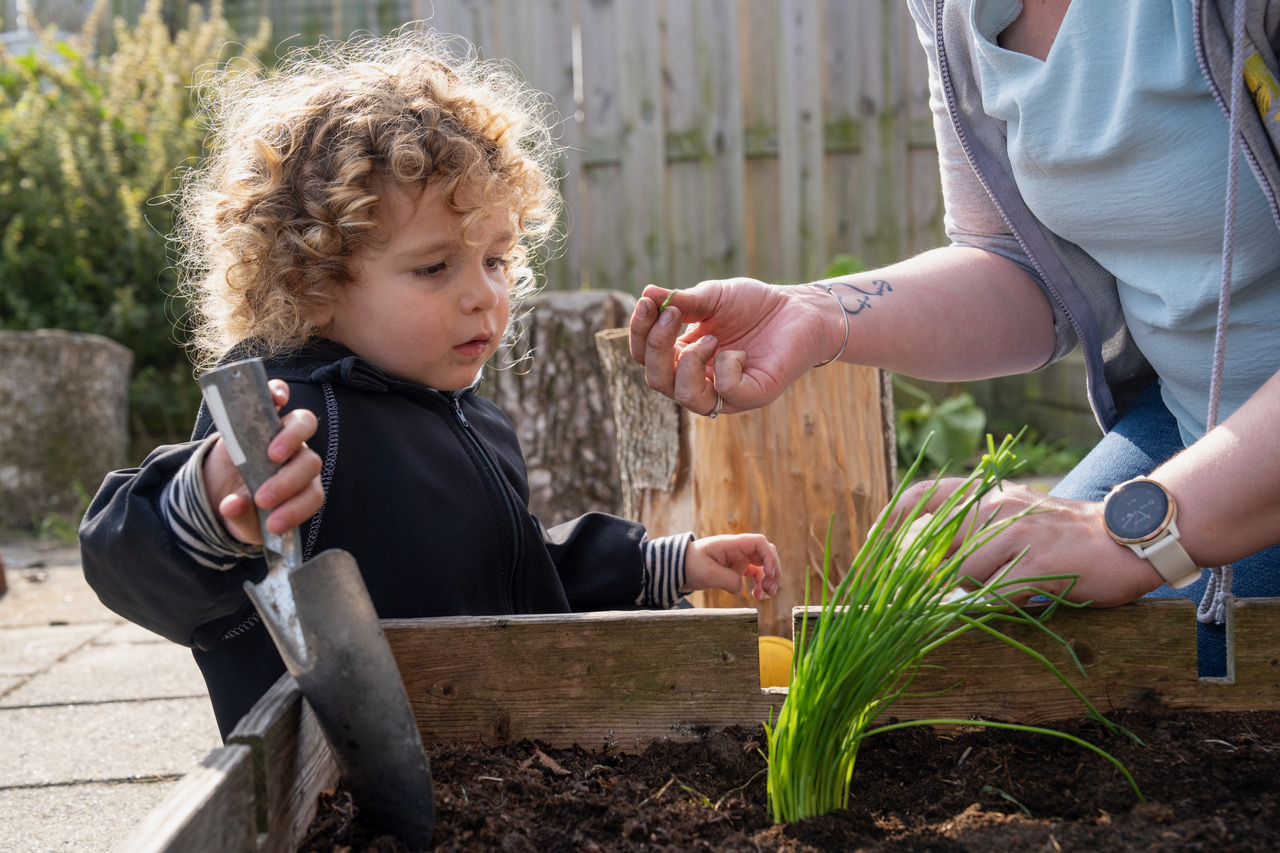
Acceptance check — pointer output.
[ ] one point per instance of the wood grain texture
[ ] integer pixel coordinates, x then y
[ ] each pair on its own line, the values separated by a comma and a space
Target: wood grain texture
620, 679
817, 453
292, 764
626, 679
209, 811
1140, 656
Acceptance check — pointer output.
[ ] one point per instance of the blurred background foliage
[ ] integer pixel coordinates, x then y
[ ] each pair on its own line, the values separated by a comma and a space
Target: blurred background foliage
90, 147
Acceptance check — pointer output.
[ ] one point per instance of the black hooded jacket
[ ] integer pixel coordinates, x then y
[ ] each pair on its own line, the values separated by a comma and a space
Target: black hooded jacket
426, 489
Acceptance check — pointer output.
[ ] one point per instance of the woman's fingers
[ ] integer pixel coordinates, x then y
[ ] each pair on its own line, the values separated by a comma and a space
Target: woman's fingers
693, 387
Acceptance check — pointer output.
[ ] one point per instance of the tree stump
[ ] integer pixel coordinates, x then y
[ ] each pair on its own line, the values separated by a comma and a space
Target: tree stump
824, 450
653, 458
558, 401
65, 402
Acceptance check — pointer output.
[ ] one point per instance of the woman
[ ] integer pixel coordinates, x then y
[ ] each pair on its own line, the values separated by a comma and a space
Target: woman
1088, 150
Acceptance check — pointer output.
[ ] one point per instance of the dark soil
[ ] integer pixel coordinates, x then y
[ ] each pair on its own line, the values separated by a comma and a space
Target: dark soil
1211, 782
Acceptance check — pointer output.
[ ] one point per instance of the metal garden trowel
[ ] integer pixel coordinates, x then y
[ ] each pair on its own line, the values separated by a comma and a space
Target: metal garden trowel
324, 624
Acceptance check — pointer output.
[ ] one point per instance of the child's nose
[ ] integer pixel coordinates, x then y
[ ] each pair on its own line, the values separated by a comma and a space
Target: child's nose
483, 289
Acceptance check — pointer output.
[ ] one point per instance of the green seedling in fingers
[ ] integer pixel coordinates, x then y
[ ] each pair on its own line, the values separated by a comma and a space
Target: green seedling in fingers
666, 302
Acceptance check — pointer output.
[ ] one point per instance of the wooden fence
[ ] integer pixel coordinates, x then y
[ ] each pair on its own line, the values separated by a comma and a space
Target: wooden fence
711, 138
703, 138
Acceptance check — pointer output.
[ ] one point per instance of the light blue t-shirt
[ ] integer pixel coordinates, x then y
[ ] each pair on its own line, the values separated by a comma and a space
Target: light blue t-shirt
1118, 145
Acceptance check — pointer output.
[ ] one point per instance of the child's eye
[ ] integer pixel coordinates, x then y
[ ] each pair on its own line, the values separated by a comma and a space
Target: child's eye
497, 262
429, 270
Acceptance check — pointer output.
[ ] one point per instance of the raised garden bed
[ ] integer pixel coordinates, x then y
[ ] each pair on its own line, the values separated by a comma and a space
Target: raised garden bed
628, 731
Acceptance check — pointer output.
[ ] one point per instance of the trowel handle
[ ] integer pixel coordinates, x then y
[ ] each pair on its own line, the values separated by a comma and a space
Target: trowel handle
240, 401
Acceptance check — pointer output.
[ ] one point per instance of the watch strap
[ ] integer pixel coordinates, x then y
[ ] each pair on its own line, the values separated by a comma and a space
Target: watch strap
1167, 556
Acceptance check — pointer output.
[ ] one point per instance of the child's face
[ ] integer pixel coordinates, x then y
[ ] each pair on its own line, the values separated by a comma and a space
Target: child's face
426, 306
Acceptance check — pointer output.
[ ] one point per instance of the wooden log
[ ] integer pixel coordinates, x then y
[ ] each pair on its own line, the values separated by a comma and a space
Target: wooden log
820, 454
652, 450
620, 679
823, 450
209, 811
1140, 656
292, 764
559, 405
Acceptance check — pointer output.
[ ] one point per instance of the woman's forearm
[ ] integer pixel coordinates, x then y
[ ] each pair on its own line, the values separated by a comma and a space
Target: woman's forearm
950, 314
1227, 484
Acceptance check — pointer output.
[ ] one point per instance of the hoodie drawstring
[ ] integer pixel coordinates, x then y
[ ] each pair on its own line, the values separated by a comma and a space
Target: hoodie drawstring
1217, 592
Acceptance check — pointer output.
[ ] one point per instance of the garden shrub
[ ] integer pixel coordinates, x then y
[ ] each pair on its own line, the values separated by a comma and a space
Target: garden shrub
90, 147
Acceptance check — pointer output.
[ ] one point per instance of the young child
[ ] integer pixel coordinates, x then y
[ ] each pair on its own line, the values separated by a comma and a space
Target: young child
363, 222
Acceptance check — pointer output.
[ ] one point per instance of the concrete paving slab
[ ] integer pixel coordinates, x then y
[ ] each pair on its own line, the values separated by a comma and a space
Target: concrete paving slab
27, 650
97, 673
54, 595
78, 769
88, 818
32, 552
110, 741
127, 632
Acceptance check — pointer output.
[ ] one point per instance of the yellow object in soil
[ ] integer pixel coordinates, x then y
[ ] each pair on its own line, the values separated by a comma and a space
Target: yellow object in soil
775, 661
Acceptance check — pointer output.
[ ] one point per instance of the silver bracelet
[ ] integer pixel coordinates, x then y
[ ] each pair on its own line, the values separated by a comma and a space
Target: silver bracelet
845, 314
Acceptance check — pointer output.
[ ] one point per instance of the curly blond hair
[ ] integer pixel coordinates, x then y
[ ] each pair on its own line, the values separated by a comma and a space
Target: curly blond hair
270, 220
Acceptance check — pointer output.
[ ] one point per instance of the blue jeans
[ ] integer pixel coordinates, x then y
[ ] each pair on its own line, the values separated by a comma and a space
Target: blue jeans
1144, 438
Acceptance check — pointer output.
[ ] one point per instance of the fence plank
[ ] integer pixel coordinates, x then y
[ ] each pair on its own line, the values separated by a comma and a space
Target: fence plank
844, 105
800, 142
705, 142
759, 96
601, 199
538, 39
642, 145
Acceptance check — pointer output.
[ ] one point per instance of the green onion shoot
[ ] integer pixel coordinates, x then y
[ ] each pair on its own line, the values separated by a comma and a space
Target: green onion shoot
666, 302
902, 598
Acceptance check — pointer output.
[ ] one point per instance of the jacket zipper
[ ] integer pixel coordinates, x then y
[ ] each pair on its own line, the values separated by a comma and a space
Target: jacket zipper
491, 468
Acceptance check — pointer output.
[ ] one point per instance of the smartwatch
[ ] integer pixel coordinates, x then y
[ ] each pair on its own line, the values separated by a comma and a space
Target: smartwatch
1141, 514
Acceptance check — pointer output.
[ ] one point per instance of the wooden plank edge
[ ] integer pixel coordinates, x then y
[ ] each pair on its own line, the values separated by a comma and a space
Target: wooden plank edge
210, 810
292, 764
1140, 656
618, 698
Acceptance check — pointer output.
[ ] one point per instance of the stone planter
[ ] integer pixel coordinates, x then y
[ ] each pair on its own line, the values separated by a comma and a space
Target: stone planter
63, 420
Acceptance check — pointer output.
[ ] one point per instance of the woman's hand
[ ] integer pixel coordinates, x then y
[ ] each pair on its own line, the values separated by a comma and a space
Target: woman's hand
721, 562
747, 341
293, 493
1061, 537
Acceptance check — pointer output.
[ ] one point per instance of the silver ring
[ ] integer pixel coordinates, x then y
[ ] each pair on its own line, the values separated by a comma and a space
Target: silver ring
714, 413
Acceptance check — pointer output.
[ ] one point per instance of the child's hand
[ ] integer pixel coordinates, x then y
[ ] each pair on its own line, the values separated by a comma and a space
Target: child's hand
294, 492
721, 562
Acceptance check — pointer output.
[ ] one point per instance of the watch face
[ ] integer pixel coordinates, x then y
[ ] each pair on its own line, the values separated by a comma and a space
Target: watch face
1136, 510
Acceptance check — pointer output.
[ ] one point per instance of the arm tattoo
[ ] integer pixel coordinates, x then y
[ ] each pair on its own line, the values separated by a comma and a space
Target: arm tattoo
863, 298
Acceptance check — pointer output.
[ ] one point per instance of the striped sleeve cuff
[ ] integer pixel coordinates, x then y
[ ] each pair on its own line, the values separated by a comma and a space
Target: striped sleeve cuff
185, 507
663, 570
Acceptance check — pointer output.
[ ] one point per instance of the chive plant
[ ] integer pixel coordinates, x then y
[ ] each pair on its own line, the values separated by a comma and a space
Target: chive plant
902, 598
